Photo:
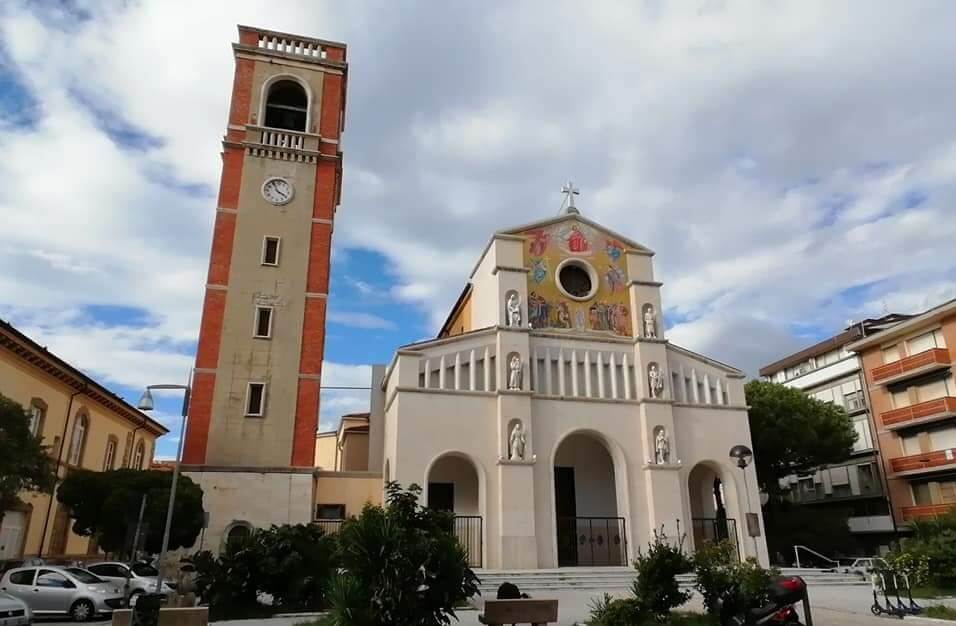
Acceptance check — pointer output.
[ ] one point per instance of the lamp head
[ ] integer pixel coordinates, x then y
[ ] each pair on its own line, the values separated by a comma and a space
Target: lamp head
146, 401
742, 454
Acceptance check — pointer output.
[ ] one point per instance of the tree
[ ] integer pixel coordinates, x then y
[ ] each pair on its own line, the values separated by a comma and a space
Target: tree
793, 433
401, 565
106, 505
24, 462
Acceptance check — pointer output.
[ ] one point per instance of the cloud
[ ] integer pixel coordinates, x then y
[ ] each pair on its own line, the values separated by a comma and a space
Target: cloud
360, 320
791, 163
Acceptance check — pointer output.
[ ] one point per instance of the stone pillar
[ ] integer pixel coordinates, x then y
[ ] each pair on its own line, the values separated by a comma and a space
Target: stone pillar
517, 546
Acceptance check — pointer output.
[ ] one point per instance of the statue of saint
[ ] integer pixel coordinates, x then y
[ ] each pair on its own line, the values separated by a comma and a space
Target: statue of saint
517, 442
650, 323
656, 380
514, 310
514, 373
662, 447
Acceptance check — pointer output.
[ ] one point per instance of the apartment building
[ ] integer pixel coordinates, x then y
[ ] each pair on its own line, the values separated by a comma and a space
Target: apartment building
909, 375
828, 371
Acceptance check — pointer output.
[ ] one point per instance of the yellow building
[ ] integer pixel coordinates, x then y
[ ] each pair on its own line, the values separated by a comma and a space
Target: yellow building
101, 432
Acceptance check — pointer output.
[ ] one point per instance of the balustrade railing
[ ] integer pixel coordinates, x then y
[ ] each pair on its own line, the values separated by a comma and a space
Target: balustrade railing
281, 139
582, 373
292, 46
472, 369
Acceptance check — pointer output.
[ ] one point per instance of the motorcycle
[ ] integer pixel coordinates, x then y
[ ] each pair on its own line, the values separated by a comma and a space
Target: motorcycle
784, 593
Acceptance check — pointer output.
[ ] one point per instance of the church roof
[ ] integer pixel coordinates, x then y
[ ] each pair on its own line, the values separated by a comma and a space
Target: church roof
579, 218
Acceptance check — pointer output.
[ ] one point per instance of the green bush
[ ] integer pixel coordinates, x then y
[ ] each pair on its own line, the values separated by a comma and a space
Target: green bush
401, 565
930, 554
610, 611
293, 564
656, 588
723, 579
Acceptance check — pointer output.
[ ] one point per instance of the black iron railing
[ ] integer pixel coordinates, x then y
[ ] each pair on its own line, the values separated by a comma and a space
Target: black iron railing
592, 541
468, 529
713, 529
330, 526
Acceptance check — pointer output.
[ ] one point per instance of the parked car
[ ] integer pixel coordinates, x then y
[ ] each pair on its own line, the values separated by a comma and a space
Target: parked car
141, 576
13, 611
11, 563
865, 565
57, 591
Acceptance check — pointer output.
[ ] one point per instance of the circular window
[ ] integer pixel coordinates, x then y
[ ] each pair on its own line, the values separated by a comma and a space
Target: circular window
576, 279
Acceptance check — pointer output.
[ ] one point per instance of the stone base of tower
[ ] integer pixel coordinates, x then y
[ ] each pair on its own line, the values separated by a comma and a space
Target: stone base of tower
251, 497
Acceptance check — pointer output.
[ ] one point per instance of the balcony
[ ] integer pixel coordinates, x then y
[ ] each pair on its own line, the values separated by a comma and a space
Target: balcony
922, 413
925, 511
281, 144
913, 365
924, 463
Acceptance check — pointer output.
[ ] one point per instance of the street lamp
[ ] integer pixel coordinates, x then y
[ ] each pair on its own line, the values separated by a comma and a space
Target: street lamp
146, 404
743, 456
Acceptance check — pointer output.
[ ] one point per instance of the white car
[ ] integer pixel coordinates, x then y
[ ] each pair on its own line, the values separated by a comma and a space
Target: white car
866, 565
141, 577
62, 591
14, 612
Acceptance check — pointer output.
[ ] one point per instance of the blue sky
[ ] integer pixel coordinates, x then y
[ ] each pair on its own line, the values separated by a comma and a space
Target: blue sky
792, 164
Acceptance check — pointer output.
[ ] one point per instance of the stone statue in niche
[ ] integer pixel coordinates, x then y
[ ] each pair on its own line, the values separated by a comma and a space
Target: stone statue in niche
655, 379
514, 373
662, 447
517, 442
513, 307
650, 323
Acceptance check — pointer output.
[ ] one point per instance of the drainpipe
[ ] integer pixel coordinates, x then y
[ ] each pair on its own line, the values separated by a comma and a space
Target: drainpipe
59, 459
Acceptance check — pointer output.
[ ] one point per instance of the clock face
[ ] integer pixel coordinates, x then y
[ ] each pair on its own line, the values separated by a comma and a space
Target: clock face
277, 190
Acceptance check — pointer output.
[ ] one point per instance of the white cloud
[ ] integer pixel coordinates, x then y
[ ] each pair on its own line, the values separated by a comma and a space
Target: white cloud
360, 320
764, 150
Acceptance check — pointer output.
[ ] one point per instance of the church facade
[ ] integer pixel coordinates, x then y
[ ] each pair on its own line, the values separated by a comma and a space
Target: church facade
550, 414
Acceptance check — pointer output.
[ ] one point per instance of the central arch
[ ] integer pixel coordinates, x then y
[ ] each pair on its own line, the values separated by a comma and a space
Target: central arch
454, 482
590, 501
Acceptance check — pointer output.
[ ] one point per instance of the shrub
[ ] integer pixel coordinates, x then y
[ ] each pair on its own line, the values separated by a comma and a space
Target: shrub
656, 589
610, 611
728, 584
934, 544
292, 563
401, 565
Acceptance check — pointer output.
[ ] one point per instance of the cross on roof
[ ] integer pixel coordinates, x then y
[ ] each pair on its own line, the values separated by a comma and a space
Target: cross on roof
570, 191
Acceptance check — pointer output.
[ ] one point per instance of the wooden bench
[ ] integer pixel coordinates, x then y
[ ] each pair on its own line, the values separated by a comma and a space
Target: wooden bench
523, 611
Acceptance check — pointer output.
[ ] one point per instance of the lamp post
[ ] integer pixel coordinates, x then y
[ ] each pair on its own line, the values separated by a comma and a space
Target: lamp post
743, 455
146, 404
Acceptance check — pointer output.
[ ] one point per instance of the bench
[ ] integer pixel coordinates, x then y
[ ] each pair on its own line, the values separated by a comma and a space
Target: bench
523, 611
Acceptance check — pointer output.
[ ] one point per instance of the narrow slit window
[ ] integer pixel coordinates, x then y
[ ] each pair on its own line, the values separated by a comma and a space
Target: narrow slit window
255, 399
270, 251
263, 327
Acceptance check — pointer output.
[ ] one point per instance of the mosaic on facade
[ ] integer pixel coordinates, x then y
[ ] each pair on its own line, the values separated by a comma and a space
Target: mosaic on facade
607, 310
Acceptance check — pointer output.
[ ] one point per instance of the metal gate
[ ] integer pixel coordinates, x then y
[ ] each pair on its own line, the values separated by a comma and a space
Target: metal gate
715, 529
468, 530
589, 541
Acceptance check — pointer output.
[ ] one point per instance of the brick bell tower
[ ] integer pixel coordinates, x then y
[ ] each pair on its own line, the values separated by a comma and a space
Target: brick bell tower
255, 398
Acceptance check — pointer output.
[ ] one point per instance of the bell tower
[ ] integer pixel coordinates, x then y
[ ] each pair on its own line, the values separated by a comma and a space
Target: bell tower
255, 397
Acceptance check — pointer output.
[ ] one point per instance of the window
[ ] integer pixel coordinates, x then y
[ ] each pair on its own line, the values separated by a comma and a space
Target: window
287, 106
921, 494
83, 576
330, 511
37, 416
138, 455
863, 439
238, 533
947, 491
270, 251
255, 399
23, 577
78, 440
263, 328
891, 354
128, 450
49, 578
922, 343
108, 570
576, 279
854, 401
142, 569
109, 459
866, 476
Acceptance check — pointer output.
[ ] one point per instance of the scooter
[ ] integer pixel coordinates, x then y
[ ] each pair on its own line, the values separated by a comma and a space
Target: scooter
899, 602
914, 608
887, 608
784, 592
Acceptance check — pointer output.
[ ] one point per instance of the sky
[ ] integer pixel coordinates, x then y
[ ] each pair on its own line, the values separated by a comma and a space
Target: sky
793, 164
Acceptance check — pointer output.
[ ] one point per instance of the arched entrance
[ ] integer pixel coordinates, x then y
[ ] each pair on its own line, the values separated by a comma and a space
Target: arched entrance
713, 504
590, 529
454, 484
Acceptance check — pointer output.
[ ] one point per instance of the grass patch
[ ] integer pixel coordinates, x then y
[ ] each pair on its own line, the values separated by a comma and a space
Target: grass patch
930, 591
678, 618
941, 612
